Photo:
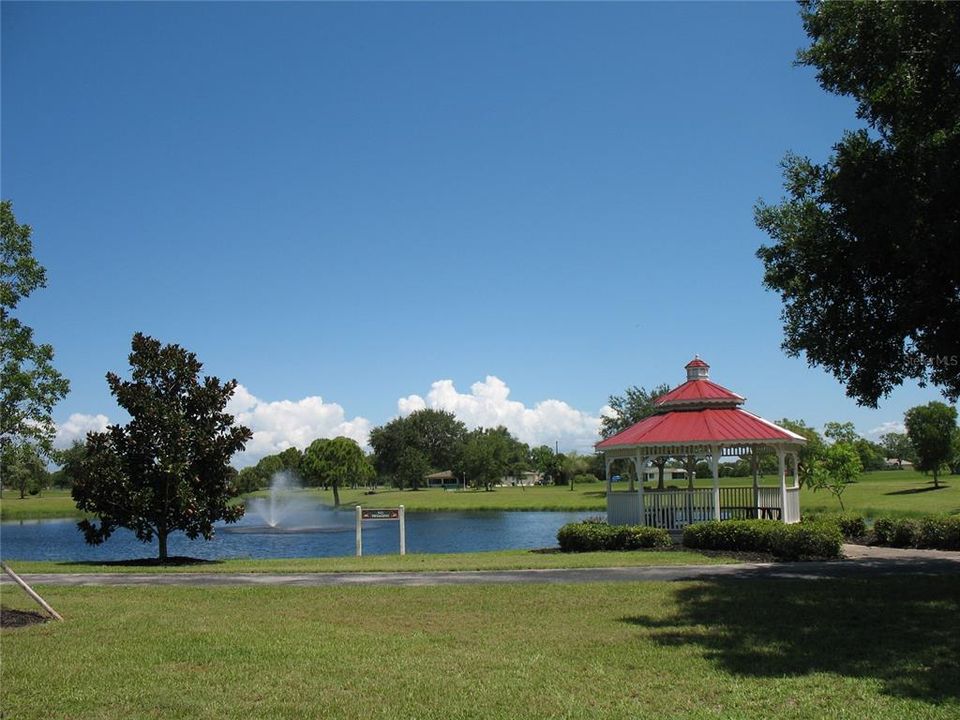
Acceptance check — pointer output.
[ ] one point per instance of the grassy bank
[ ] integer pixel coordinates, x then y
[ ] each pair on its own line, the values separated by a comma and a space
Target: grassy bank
883, 648
900, 492
53, 504
501, 560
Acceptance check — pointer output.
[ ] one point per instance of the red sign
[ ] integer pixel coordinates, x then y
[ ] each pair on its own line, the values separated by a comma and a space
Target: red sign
380, 514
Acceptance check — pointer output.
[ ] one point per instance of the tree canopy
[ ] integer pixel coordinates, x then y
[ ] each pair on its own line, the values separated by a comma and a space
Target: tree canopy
634, 405
335, 462
23, 468
436, 434
838, 466
932, 429
865, 251
491, 454
168, 468
29, 384
897, 446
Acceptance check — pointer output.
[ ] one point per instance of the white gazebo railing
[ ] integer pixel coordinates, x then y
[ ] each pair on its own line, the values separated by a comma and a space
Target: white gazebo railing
675, 509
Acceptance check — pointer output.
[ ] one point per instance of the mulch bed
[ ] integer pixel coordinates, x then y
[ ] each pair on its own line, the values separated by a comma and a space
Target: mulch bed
10, 618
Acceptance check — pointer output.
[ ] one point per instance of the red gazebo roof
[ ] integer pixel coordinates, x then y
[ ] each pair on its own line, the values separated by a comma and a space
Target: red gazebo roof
696, 427
700, 412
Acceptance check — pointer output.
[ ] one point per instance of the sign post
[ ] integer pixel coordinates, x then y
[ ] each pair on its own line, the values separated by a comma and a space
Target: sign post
396, 513
359, 533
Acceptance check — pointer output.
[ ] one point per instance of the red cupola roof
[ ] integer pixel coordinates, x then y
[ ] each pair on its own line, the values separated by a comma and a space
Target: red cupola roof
699, 391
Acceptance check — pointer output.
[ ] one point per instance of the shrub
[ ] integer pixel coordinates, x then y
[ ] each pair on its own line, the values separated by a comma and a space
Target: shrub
883, 530
585, 479
898, 532
787, 542
810, 540
591, 536
941, 532
851, 526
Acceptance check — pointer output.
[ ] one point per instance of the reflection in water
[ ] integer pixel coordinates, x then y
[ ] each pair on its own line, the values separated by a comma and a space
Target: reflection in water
304, 537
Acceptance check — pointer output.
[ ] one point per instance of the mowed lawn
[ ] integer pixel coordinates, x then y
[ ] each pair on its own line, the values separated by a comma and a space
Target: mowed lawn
52, 504
896, 492
904, 493
415, 562
878, 648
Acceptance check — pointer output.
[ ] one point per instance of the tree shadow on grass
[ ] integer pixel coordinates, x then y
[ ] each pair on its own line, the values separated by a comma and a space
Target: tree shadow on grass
904, 632
914, 491
172, 561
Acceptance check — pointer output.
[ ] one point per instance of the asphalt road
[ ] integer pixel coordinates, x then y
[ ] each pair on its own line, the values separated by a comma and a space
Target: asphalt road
882, 562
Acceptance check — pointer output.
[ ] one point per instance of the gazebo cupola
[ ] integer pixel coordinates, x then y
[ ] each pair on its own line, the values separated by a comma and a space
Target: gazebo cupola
701, 420
697, 369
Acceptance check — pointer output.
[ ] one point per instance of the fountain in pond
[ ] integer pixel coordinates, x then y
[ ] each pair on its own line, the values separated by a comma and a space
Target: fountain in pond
288, 509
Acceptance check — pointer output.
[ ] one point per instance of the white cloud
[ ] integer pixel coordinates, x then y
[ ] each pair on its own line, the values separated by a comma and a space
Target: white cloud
891, 426
283, 424
488, 405
76, 428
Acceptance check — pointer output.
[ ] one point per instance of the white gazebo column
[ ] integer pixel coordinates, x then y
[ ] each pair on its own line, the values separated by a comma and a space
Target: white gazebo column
715, 466
643, 515
609, 463
781, 461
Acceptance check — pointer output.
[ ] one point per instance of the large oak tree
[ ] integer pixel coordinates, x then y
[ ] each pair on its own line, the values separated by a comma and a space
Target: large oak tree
866, 246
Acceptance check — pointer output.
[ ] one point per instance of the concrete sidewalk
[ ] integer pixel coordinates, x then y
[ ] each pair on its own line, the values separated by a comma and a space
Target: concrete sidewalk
861, 562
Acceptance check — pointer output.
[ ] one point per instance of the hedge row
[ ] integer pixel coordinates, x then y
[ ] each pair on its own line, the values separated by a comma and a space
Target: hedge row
787, 542
940, 532
851, 526
591, 536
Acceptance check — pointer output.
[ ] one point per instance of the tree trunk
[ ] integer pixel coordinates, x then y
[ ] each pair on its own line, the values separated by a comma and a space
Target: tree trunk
336, 494
936, 480
162, 542
660, 466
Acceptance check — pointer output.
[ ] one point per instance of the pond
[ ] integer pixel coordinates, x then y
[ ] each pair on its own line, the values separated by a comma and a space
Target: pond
427, 532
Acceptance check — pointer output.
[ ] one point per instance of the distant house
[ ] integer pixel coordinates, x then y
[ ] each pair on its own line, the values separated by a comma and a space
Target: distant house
892, 464
444, 479
652, 474
526, 479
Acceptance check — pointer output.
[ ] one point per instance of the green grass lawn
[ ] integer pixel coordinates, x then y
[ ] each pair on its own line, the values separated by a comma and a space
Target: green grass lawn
591, 496
903, 493
896, 492
878, 648
53, 504
500, 560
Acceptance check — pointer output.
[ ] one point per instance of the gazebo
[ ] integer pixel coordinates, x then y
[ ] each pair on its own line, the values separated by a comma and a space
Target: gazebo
701, 420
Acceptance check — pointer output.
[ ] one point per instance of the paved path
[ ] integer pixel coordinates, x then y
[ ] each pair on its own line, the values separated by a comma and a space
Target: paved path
879, 563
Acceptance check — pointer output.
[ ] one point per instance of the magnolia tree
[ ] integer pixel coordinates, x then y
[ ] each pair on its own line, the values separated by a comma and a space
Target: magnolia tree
167, 469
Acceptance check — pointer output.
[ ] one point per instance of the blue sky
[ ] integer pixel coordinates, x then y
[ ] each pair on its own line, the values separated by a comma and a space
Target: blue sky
342, 204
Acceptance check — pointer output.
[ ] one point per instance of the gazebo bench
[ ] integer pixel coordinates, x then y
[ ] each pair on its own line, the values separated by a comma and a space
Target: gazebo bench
750, 512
